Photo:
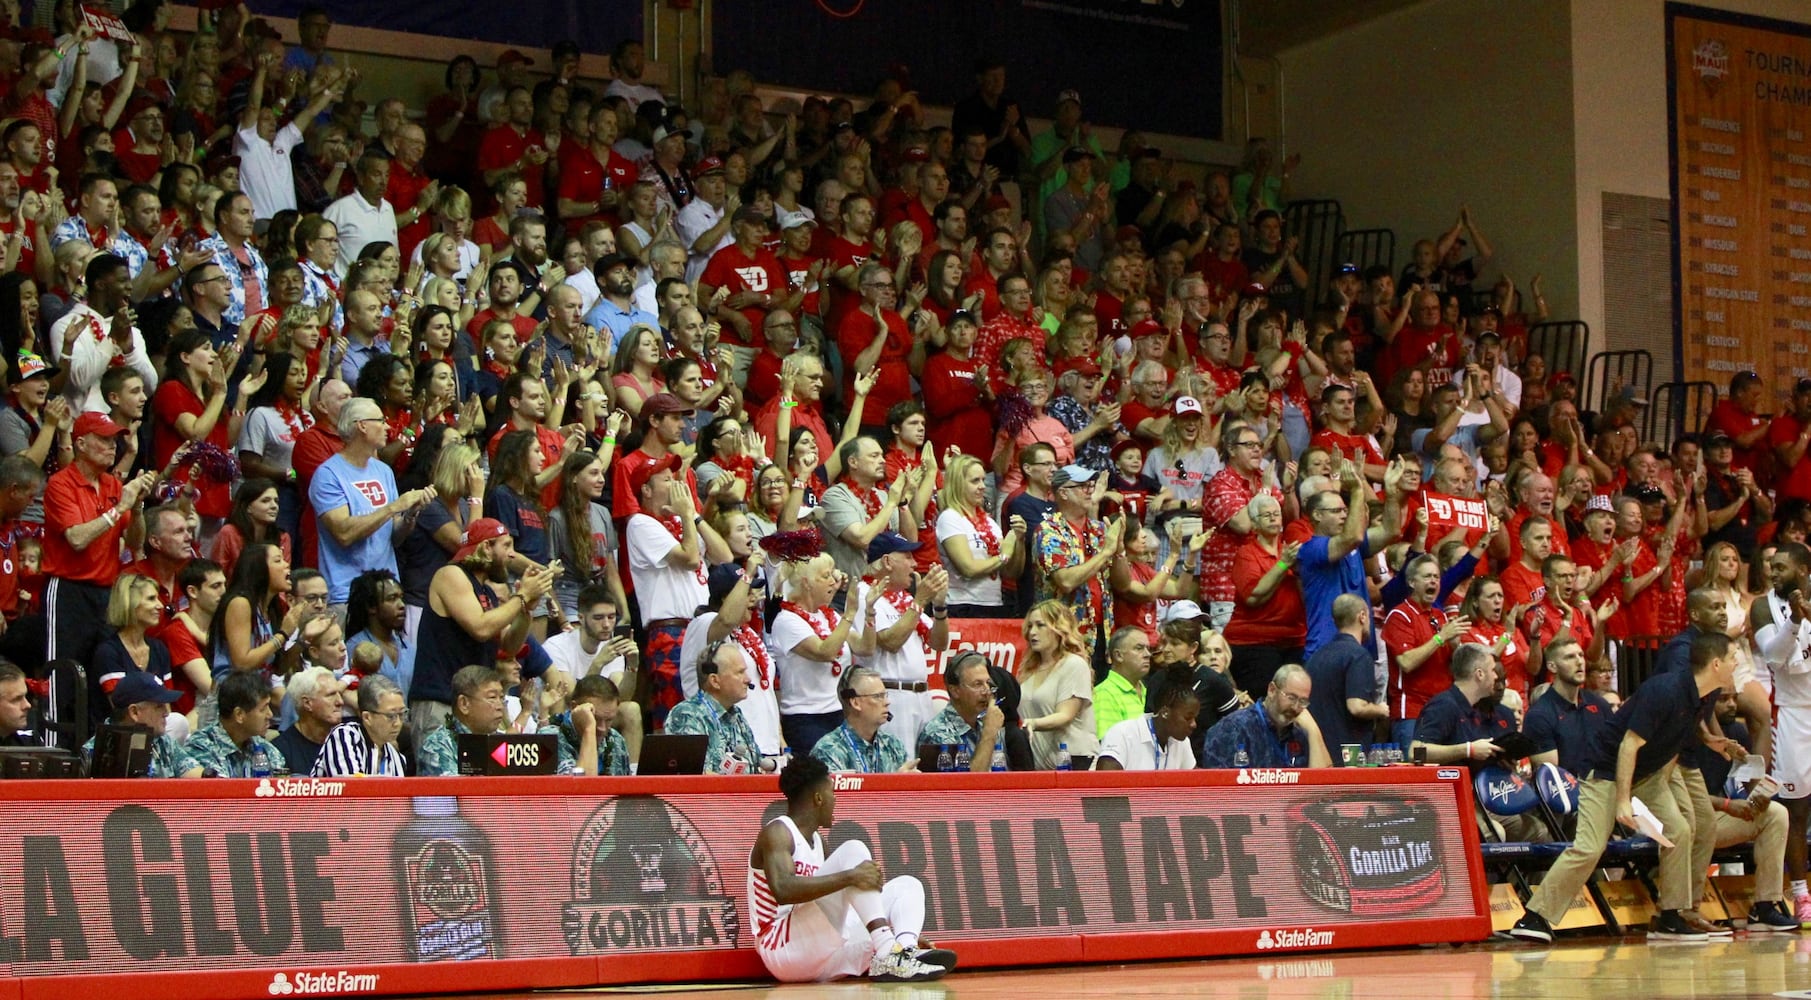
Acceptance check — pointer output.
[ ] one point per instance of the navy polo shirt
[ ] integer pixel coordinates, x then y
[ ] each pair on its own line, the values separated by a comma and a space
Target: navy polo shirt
1676, 655
1341, 669
1554, 723
1449, 718
1664, 712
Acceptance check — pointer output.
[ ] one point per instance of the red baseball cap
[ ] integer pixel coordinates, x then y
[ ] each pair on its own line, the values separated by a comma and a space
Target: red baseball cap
708, 165
477, 533
96, 423
1148, 328
638, 478
513, 56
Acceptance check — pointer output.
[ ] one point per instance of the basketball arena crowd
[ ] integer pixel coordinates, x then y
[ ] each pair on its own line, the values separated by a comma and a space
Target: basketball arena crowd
336, 428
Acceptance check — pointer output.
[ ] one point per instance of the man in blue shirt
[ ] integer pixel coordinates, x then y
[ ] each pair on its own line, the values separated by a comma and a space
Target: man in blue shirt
1346, 701
354, 495
616, 310
1633, 757
1268, 734
1564, 722
1332, 562
1460, 724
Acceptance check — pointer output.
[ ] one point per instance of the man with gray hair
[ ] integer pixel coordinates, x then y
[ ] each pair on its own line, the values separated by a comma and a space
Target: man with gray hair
355, 498
366, 745
316, 695
1271, 732
665, 259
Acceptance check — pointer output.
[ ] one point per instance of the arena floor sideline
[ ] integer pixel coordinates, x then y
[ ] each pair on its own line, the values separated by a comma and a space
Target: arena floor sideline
1621, 969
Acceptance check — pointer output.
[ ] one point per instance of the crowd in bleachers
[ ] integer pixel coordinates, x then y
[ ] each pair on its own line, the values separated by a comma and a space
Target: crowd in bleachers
554, 406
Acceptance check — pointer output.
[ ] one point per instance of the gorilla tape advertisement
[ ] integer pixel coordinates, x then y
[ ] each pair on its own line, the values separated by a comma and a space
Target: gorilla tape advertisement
303, 887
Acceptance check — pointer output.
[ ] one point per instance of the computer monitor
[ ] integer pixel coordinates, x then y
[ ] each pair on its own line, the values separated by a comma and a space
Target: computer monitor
669, 754
122, 752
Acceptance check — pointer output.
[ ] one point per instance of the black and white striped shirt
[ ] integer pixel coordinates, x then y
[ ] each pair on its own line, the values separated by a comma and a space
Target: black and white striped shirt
347, 752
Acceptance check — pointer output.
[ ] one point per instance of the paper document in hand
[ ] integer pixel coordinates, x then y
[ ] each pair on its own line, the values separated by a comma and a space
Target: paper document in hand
1648, 825
1752, 767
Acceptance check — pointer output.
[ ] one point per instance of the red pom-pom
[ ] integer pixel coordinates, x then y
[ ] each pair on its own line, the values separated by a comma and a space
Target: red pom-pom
1013, 412
794, 546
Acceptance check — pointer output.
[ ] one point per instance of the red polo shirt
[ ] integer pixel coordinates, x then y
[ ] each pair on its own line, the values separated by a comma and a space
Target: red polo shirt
1410, 625
71, 499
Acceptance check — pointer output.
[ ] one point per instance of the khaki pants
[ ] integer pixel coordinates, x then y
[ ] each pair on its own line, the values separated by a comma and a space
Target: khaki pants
1694, 800
1596, 819
1768, 831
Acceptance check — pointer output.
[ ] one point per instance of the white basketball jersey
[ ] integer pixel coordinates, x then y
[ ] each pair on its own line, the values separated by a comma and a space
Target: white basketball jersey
773, 920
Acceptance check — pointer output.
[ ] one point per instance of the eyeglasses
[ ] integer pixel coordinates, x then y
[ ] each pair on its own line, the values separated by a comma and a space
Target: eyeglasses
1248, 443
881, 694
396, 716
1293, 700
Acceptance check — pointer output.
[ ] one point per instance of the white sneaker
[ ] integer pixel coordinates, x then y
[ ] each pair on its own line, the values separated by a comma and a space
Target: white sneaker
900, 966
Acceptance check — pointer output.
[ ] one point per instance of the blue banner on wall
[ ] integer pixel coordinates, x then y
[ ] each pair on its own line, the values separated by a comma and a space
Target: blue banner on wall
1149, 64
596, 25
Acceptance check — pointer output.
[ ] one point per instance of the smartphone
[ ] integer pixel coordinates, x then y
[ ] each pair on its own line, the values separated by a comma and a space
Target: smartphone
623, 632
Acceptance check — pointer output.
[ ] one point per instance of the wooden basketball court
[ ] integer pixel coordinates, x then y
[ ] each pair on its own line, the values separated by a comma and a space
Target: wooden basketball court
1627, 968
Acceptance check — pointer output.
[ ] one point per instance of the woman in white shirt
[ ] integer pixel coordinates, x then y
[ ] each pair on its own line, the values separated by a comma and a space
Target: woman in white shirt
974, 548
1056, 688
1155, 741
811, 644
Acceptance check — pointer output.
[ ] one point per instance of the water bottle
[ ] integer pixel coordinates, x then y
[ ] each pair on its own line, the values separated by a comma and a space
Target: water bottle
945, 761
964, 758
1062, 757
1395, 753
1241, 757
998, 764
785, 758
260, 762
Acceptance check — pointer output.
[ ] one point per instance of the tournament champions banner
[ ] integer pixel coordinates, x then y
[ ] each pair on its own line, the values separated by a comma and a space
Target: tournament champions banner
1156, 65
299, 887
1739, 93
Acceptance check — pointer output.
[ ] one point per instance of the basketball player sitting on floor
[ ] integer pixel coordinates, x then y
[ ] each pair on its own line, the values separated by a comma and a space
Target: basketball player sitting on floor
819, 918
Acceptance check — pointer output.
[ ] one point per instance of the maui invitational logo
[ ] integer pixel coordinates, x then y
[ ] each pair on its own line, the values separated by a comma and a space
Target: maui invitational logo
1368, 856
1710, 60
644, 880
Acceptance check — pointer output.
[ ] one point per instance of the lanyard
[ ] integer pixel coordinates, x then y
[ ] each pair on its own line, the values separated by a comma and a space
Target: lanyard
1163, 751
855, 748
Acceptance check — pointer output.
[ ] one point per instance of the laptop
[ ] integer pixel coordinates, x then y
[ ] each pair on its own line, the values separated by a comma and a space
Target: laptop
122, 752
669, 754
508, 753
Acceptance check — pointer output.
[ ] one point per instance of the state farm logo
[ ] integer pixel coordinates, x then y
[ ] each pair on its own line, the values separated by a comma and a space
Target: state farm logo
1710, 60
1288, 937
298, 788
1268, 776
332, 983
846, 782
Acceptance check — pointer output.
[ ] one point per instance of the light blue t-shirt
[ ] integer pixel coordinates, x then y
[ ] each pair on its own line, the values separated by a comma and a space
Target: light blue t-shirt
607, 315
338, 484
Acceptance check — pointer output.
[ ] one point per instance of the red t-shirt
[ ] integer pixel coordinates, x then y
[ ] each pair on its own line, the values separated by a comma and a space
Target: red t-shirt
552, 445
1794, 482
1108, 308
1513, 654
183, 649
314, 447
1522, 585
402, 193
525, 327
1729, 418
953, 409
1543, 621
857, 332
1410, 625
502, 146
740, 272
583, 175
1132, 413
486, 233
173, 399
1282, 620
840, 253
1225, 278
763, 380
1346, 444
1560, 545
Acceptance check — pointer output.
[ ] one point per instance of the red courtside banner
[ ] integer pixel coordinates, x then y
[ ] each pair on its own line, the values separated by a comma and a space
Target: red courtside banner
1739, 92
382, 886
